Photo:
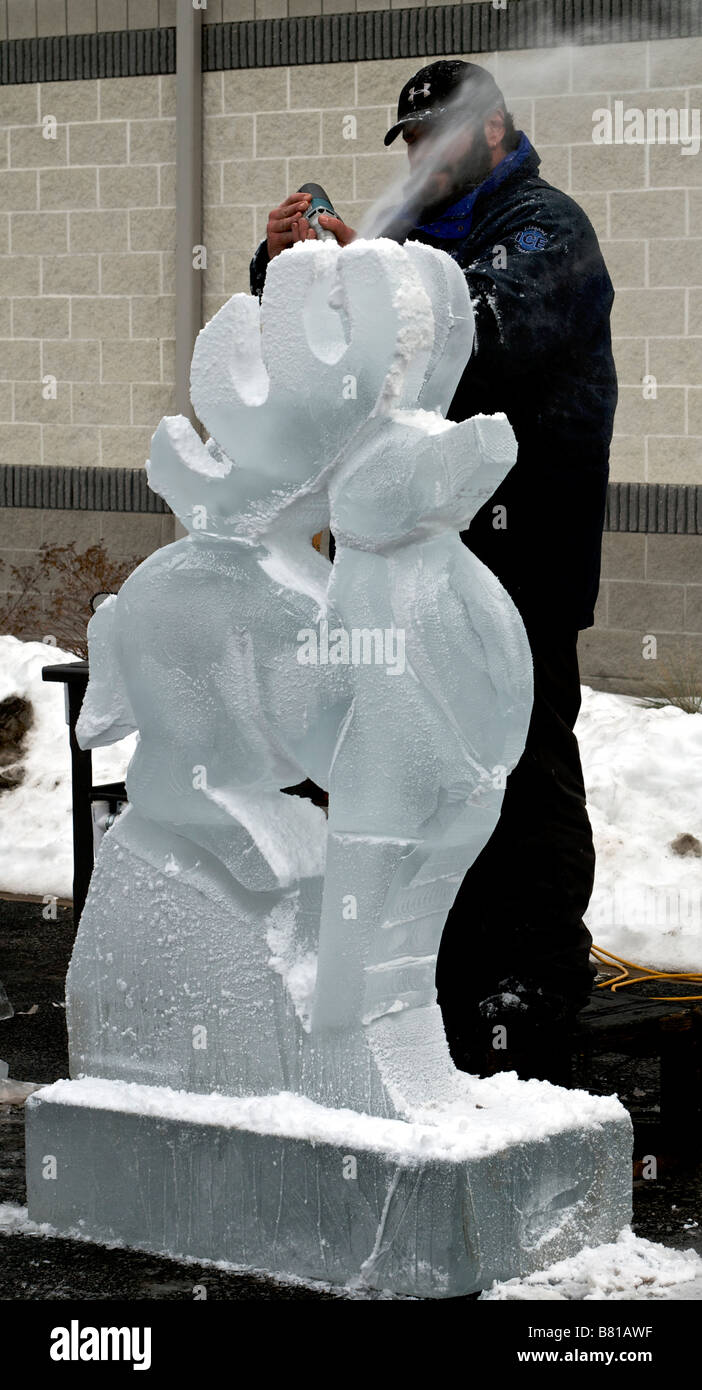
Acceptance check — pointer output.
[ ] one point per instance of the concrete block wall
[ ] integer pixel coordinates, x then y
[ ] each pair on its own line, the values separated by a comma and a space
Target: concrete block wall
86, 274
651, 586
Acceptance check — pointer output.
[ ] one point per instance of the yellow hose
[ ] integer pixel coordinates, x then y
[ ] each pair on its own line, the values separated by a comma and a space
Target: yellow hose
624, 978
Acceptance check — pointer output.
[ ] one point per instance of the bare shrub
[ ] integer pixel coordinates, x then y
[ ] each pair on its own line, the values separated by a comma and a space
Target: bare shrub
51, 594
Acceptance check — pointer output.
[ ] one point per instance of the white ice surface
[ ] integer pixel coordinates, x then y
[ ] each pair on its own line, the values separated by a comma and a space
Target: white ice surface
296, 965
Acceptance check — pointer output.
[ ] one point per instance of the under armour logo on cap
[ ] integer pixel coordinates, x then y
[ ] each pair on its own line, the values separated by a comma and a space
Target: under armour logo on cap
446, 85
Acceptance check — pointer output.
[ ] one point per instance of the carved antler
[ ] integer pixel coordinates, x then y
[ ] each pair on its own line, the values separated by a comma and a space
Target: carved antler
359, 325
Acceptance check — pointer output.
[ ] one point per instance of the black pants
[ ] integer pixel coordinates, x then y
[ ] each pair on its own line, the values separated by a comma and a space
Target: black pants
515, 948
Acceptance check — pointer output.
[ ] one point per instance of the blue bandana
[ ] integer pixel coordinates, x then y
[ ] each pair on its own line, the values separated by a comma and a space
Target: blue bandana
455, 223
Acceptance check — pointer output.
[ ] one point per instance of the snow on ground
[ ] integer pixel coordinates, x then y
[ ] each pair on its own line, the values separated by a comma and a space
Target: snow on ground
643, 774
643, 777
628, 1268
36, 846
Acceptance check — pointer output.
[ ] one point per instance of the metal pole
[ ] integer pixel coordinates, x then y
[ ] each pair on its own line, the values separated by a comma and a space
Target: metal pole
188, 194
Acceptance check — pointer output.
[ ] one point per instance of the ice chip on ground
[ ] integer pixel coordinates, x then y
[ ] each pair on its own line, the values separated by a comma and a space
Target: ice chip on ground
236, 941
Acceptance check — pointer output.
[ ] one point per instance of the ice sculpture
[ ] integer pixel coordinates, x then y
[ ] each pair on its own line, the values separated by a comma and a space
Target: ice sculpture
202, 653
234, 941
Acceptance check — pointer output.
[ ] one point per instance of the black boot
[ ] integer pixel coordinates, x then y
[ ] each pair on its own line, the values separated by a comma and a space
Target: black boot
517, 1029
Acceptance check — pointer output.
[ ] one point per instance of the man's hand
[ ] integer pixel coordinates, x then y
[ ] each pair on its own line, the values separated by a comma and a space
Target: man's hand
343, 234
287, 224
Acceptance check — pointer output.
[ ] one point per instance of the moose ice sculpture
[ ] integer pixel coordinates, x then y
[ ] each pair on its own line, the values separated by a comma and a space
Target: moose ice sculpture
252, 983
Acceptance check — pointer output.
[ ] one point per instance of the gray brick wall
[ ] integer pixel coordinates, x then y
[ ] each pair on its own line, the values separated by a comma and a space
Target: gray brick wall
87, 303
651, 586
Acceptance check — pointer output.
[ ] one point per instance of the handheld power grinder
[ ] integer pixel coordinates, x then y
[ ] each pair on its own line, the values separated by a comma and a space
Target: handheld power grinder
319, 203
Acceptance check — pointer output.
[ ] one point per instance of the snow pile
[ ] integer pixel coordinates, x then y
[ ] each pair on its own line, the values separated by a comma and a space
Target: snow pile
15, 1221
36, 845
628, 1268
643, 777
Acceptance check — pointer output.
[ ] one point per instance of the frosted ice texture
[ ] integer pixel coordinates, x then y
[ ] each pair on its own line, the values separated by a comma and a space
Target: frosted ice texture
317, 939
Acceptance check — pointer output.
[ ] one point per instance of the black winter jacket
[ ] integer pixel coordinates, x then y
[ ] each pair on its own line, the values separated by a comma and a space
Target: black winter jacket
542, 354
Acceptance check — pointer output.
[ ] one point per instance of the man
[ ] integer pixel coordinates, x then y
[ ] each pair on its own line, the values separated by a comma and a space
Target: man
513, 967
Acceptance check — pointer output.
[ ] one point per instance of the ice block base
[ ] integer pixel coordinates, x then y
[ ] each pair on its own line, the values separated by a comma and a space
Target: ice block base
414, 1208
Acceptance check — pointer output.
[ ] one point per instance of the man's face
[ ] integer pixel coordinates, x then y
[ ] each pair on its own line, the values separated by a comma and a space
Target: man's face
446, 162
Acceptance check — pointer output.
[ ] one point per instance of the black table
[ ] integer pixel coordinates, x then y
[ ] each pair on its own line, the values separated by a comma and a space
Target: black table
73, 675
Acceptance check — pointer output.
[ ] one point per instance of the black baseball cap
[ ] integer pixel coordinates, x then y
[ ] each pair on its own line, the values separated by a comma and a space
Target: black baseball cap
436, 89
